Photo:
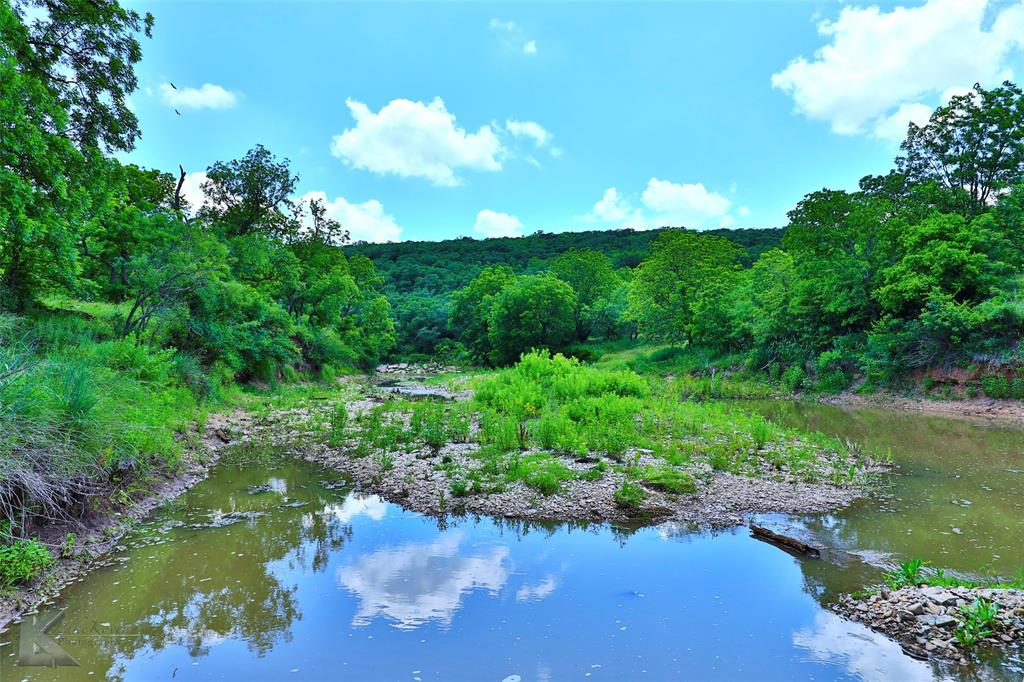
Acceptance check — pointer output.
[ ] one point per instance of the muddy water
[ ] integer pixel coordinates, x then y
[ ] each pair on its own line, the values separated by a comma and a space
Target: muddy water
272, 569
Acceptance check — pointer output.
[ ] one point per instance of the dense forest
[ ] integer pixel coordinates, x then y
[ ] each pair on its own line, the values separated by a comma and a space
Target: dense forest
419, 277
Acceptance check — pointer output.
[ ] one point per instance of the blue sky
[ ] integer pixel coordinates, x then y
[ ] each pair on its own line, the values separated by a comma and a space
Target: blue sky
430, 121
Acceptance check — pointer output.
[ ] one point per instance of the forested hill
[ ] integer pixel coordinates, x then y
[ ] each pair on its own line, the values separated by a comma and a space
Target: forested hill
443, 266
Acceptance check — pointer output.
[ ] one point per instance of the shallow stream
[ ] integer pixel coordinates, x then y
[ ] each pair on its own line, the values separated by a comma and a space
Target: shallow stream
274, 569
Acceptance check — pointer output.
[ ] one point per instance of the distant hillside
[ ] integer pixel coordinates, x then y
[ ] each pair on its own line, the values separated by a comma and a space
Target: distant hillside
420, 276
442, 267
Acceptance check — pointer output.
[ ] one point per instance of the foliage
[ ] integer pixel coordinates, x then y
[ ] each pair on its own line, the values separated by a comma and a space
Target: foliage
979, 619
21, 561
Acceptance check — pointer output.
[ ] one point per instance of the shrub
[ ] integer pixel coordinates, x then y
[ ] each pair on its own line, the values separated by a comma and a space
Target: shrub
22, 561
666, 479
629, 496
793, 378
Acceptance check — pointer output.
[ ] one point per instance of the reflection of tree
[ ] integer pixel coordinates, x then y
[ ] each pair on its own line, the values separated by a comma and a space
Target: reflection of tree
196, 583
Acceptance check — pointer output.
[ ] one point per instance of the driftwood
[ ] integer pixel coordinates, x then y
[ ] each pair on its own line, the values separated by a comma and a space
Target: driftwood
223, 435
784, 541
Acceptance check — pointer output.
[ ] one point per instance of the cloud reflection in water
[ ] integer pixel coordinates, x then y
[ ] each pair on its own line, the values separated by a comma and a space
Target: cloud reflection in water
418, 582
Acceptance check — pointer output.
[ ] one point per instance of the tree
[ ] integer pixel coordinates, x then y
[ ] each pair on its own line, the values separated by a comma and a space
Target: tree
63, 84
947, 255
975, 143
839, 245
251, 195
533, 311
665, 286
471, 309
592, 276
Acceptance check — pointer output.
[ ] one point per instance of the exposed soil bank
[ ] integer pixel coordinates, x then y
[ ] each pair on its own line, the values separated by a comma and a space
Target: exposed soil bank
99, 533
988, 408
924, 619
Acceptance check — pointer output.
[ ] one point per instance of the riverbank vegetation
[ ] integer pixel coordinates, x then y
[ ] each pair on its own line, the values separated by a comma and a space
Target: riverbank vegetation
554, 425
125, 312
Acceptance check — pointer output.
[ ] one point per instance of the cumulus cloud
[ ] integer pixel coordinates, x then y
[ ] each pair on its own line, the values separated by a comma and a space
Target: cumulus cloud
684, 204
365, 222
879, 69
530, 130
613, 209
495, 224
207, 96
665, 203
530, 47
413, 139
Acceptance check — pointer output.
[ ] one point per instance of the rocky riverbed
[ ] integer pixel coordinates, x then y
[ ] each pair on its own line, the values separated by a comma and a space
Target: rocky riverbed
925, 619
422, 480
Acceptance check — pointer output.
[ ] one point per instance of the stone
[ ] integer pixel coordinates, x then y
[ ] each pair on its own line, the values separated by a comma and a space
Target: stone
935, 620
917, 609
939, 595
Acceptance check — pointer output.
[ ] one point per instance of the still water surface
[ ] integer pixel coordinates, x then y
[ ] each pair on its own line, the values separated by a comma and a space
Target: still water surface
310, 580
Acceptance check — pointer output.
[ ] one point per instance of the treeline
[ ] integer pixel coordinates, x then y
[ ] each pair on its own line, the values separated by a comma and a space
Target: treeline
419, 277
121, 306
918, 269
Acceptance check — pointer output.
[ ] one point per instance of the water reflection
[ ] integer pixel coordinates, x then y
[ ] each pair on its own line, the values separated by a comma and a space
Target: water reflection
420, 582
272, 569
860, 651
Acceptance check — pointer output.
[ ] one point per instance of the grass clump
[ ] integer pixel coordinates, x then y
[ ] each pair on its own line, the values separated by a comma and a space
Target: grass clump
629, 496
666, 479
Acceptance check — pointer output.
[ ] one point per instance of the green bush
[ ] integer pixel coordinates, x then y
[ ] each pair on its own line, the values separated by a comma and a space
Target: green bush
22, 561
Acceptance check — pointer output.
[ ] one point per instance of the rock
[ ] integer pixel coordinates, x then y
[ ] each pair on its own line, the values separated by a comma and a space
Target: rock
937, 621
905, 615
917, 609
939, 596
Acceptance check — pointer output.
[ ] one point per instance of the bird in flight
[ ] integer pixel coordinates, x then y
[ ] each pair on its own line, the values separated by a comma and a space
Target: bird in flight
177, 112
172, 85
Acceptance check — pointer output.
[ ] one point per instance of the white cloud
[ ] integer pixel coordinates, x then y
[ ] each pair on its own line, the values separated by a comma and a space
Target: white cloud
743, 212
499, 25
192, 190
494, 224
894, 126
880, 68
365, 222
615, 210
207, 96
688, 205
530, 130
512, 38
355, 505
413, 139
665, 203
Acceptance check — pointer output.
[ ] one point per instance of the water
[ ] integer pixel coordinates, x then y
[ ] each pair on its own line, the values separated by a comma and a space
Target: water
314, 581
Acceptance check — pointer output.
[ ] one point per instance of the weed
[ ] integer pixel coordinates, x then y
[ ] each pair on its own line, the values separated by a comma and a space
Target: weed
978, 622
629, 496
22, 561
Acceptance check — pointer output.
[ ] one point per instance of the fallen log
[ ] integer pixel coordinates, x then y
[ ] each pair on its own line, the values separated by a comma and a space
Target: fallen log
785, 541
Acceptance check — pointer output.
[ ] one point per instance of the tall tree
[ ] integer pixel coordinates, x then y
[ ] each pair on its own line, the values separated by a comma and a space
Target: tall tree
251, 195
974, 144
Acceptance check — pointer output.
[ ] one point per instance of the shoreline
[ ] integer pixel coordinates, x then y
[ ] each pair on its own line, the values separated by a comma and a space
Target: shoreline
98, 535
990, 409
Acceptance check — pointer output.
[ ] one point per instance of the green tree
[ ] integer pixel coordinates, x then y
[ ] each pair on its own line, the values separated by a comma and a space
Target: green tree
592, 276
665, 286
471, 309
533, 311
975, 143
251, 195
